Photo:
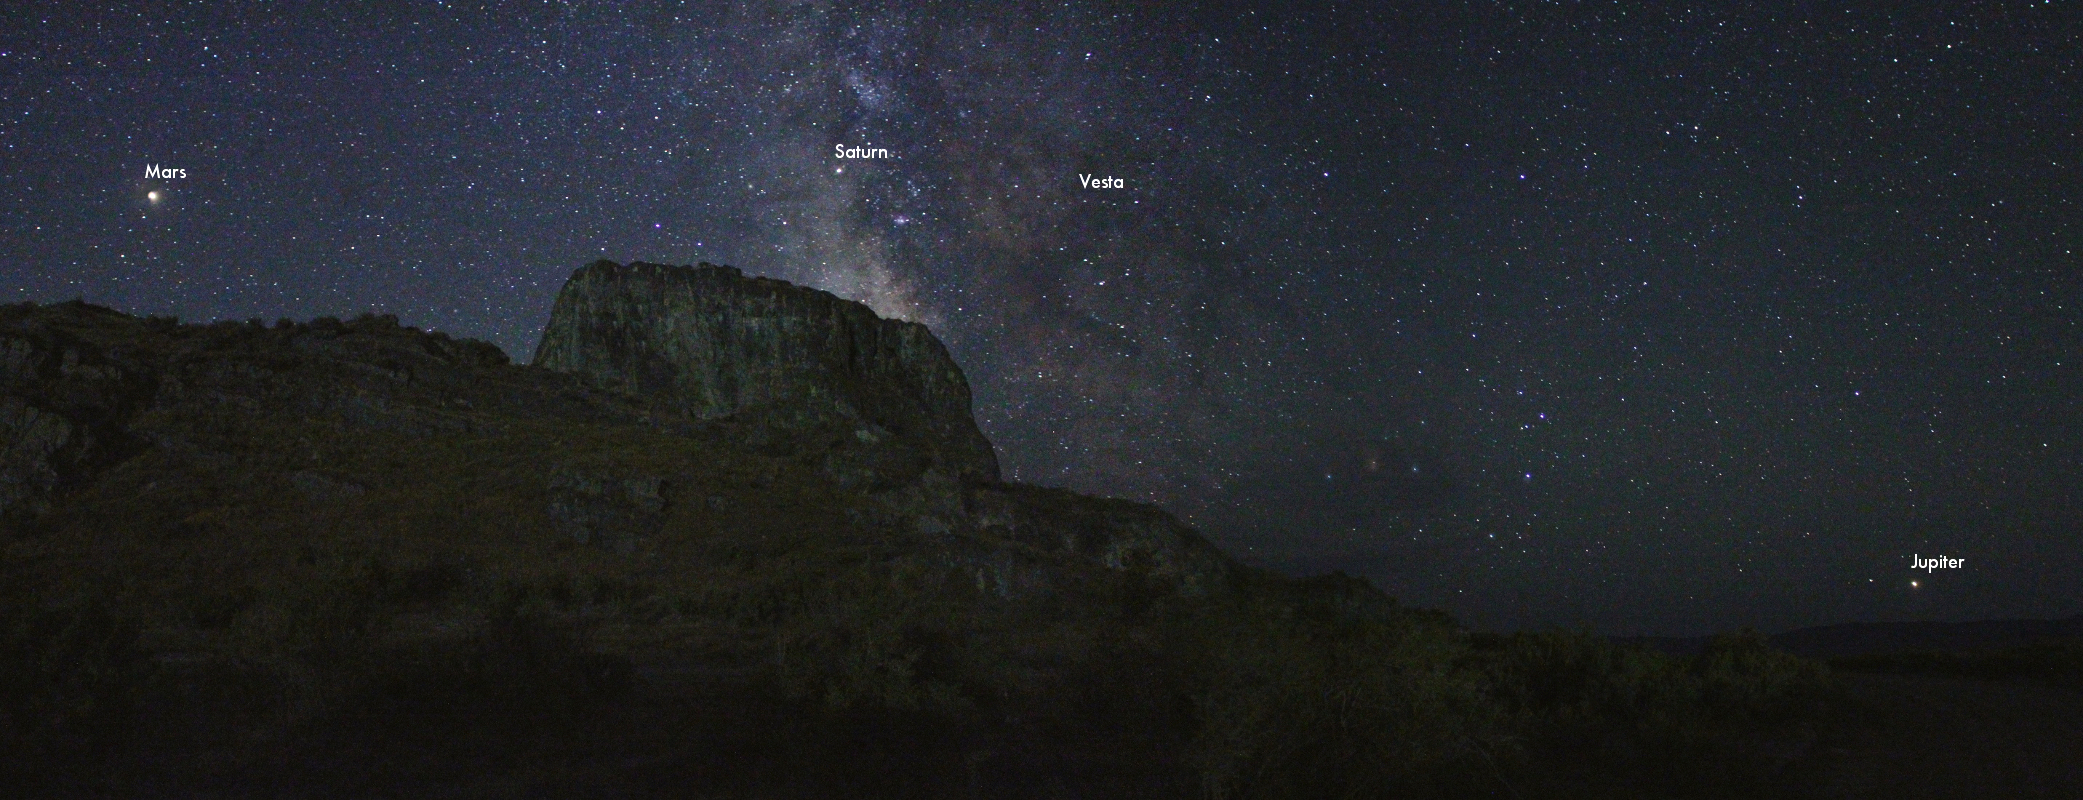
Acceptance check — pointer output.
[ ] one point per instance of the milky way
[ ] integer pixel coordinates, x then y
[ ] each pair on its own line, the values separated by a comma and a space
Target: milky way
1652, 321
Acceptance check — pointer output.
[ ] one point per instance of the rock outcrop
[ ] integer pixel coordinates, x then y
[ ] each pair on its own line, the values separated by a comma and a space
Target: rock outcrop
65, 405
870, 416
1118, 534
84, 388
876, 405
794, 368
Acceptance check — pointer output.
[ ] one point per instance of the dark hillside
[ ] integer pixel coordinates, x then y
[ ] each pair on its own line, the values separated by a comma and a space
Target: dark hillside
354, 558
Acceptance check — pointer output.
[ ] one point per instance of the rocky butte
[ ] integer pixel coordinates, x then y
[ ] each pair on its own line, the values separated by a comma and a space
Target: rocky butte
711, 344
875, 404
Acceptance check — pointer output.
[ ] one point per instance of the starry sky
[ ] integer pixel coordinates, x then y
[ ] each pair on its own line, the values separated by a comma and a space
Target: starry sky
1653, 320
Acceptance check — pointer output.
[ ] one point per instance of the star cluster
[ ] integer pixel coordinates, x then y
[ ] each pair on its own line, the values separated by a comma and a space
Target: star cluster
1658, 320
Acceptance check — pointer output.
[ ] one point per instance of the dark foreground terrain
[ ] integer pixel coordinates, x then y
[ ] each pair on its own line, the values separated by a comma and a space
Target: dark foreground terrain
1937, 736
733, 538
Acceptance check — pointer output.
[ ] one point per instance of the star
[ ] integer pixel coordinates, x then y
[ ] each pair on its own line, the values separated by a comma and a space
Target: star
1690, 331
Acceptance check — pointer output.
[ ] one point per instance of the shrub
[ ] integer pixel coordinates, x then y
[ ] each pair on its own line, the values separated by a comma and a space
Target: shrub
71, 677
2057, 662
1607, 720
1300, 700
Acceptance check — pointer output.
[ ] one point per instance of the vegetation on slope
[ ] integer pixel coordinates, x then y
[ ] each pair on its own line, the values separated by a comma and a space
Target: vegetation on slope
351, 559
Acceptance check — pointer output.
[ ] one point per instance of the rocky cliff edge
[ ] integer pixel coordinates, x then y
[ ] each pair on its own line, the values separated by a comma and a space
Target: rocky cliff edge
785, 361
876, 405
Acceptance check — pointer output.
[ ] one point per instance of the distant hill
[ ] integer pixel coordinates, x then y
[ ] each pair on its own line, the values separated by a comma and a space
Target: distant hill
1870, 638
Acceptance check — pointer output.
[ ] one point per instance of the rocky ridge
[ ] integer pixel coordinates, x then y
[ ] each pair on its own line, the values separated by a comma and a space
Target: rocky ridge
787, 375
877, 405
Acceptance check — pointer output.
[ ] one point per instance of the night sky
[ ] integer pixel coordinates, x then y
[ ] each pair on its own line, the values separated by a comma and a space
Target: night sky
1656, 321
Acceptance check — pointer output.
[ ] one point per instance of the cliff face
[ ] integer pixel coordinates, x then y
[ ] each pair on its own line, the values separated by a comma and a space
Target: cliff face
63, 412
874, 405
788, 361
